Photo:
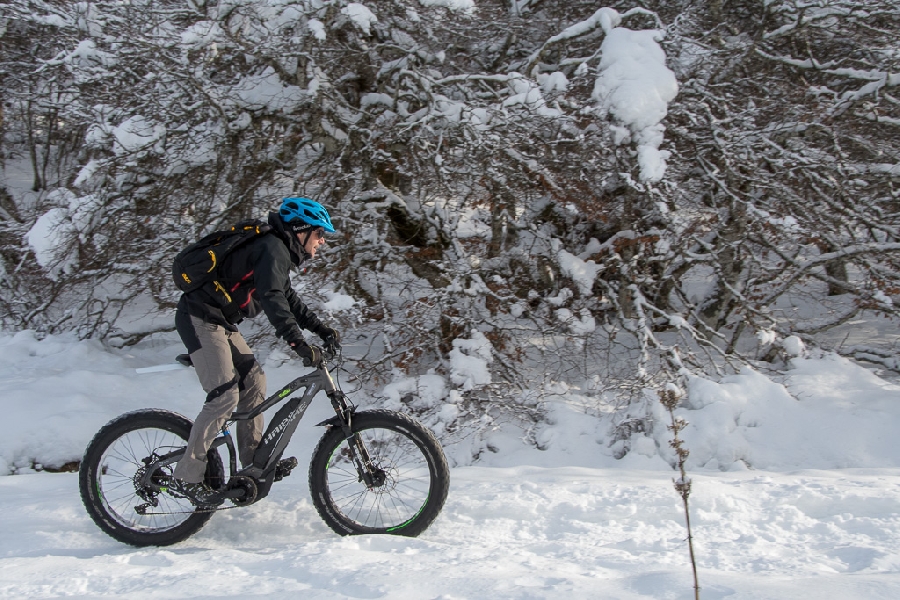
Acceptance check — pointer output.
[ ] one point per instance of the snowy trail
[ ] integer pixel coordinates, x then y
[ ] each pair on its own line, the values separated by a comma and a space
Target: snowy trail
603, 529
521, 532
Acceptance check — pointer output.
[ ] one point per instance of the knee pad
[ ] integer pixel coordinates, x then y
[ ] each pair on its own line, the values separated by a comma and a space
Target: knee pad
247, 369
216, 392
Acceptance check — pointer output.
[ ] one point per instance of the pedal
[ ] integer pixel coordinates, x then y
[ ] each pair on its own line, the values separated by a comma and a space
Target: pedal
284, 467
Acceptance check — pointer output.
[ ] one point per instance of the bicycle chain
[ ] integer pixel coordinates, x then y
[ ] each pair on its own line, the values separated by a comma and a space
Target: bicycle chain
140, 507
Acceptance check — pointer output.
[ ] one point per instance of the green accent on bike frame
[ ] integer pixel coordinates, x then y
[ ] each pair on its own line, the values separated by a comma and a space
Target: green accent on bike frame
283, 393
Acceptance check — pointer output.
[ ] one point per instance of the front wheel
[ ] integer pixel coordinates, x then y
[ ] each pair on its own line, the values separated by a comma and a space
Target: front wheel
115, 463
409, 477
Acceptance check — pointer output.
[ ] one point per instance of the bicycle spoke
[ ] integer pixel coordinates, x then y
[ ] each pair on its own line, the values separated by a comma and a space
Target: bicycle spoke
121, 463
403, 492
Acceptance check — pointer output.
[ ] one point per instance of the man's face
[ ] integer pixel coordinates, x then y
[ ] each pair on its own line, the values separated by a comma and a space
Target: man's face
316, 239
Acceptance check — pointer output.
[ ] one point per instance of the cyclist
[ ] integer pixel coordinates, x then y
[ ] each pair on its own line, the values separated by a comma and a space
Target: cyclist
257, 277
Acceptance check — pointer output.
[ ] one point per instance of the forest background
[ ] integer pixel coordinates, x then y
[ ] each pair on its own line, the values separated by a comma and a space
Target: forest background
532, 197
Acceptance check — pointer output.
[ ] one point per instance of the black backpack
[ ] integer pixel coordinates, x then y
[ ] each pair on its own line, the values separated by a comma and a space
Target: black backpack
198, 266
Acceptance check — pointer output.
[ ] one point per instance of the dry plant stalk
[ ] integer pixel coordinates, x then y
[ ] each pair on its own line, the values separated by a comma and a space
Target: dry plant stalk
669, 400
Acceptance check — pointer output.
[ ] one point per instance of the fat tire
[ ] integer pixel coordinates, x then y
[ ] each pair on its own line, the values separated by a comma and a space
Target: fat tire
90, 484
393, 424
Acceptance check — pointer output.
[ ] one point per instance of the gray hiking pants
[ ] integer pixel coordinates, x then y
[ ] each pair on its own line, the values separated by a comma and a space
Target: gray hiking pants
232, 379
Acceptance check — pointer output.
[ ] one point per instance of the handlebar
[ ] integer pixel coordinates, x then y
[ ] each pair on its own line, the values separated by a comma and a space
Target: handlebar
329, 353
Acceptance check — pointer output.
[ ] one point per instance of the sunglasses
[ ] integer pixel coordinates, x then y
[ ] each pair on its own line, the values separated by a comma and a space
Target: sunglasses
318, 234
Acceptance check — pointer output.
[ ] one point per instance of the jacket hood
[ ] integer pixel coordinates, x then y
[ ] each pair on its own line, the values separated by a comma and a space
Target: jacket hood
298, 254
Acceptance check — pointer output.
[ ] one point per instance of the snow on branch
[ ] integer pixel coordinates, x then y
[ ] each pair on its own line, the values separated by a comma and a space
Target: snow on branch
804, 18
879, 168
605, 18
635, 87
808, 14
806, 266
877, 79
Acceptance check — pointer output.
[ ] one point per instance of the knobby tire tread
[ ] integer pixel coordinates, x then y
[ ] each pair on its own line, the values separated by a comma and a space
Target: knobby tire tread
380, 419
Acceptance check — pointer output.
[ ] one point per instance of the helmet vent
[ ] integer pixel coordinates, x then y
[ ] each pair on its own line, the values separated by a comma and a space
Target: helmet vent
295, 211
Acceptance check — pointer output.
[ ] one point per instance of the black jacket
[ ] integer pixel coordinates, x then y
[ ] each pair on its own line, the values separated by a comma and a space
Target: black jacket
257, 276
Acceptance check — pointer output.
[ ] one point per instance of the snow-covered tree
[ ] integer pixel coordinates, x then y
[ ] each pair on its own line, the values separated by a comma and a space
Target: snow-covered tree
612, 193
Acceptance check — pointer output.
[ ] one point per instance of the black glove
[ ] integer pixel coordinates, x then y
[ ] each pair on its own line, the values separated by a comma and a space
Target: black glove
331, 339
311, 355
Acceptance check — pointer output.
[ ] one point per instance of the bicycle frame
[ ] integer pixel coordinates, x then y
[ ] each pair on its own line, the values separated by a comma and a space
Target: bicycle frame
279, 432
282, 426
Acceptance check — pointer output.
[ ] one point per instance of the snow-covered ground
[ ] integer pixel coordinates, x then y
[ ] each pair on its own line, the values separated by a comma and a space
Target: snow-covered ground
522, 532
821, 521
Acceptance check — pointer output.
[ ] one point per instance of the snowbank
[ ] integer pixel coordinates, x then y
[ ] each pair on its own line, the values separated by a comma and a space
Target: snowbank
829, 413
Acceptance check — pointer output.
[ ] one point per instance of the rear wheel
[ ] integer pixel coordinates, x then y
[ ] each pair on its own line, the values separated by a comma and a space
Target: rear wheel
114, 463
410, 482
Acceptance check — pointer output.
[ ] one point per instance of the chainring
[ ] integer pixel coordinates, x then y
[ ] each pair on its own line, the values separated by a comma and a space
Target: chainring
248, 484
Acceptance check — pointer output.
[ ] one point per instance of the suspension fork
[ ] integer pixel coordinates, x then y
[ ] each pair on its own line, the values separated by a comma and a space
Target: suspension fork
368, 473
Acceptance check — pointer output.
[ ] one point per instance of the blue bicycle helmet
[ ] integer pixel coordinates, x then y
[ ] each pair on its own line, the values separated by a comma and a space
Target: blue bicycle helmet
303, 213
